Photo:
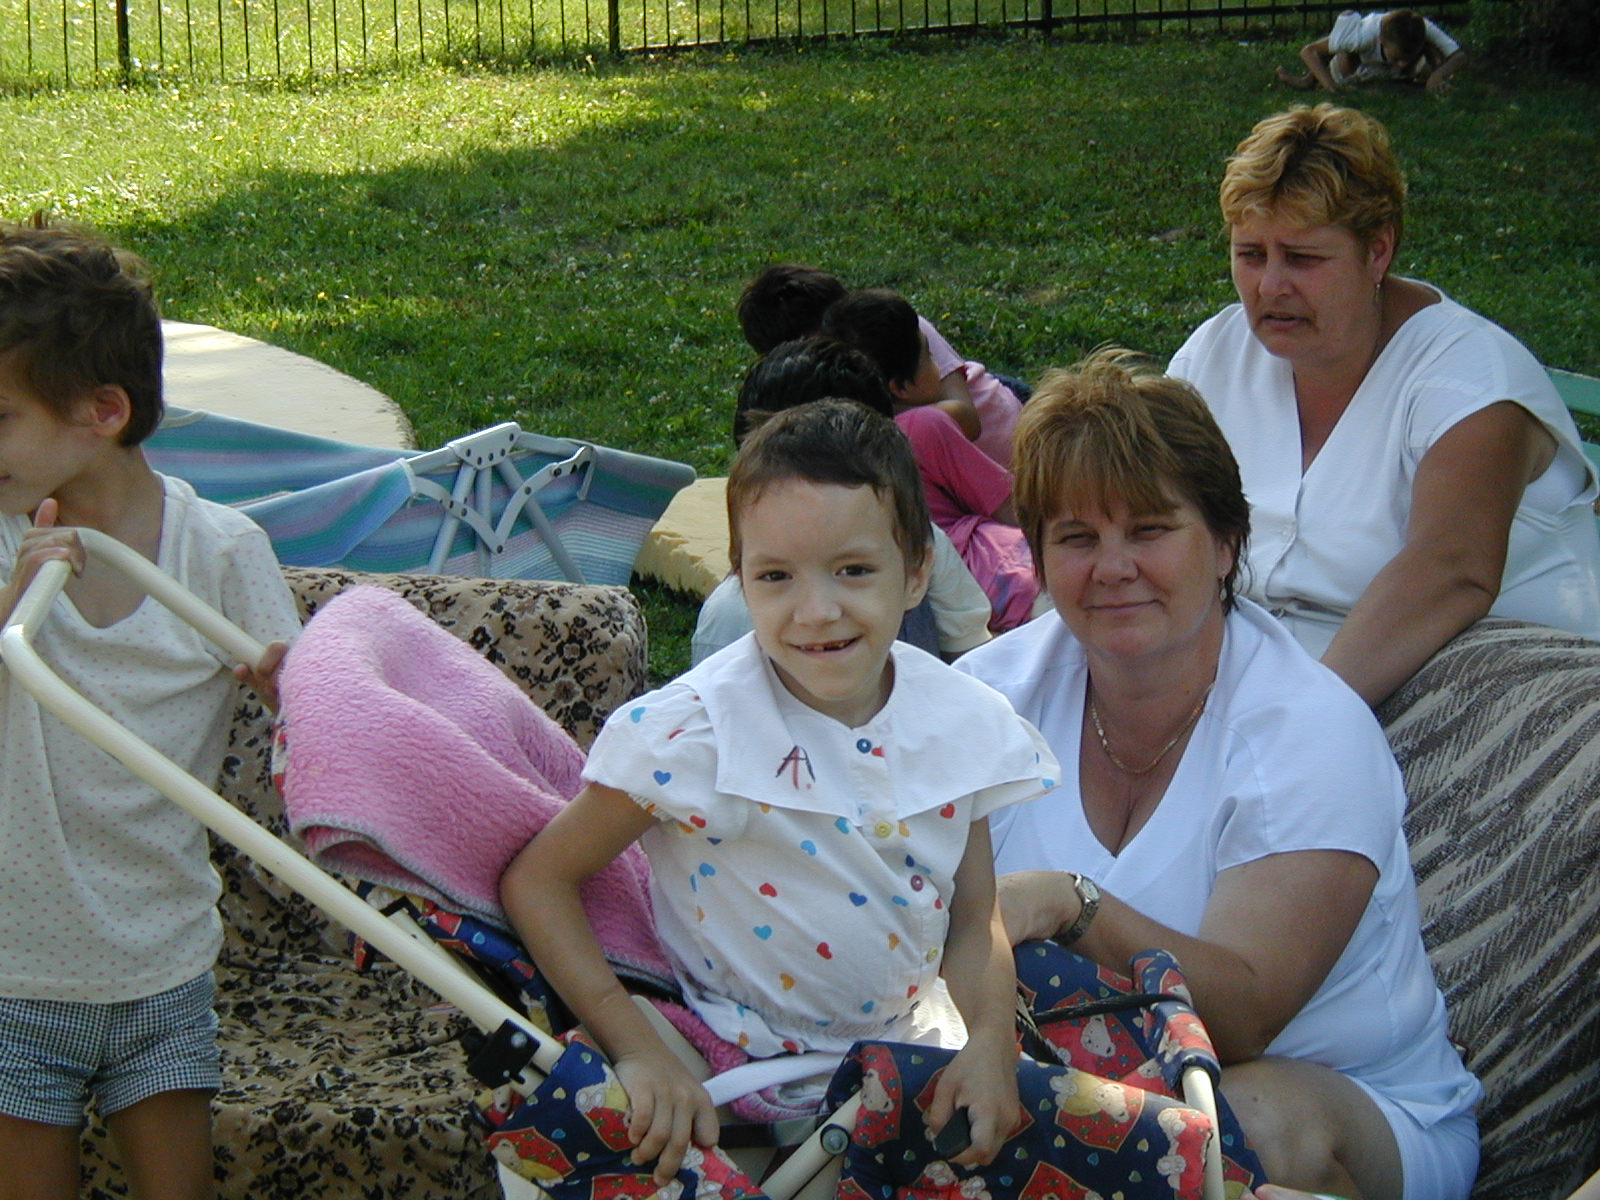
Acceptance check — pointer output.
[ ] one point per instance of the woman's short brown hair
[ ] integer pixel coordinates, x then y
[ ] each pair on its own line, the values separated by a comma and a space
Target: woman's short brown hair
1112, 431
1319, 166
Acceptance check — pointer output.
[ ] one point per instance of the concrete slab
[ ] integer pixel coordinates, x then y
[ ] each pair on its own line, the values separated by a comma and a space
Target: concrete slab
216, 371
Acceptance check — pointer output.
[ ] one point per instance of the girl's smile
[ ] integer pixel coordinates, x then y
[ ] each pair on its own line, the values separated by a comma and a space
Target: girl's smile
827, 586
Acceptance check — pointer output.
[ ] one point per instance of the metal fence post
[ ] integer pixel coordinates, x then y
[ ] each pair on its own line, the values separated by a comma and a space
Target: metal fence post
124, 52
614, 26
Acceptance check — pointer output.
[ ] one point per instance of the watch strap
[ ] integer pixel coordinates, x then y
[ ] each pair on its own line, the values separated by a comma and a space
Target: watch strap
1088, 906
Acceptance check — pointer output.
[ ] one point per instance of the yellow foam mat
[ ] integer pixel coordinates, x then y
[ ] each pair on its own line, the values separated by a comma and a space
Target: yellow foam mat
688, 548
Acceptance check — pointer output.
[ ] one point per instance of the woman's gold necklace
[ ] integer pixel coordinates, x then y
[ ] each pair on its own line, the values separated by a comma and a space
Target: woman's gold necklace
1105, 744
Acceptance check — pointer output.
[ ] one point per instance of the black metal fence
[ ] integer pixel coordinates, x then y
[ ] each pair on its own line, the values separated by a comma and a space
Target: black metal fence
66, 42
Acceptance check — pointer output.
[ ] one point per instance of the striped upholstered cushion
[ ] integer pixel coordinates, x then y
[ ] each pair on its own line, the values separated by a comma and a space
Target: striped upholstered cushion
1499, 739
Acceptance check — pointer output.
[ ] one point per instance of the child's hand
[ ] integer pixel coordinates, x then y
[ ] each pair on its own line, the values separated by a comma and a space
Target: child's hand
45, 541
669, 1109
262, 678
982, 1079
40, 544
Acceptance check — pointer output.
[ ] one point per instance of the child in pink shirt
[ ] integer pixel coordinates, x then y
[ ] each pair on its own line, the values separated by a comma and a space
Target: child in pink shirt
968, 492
788, 301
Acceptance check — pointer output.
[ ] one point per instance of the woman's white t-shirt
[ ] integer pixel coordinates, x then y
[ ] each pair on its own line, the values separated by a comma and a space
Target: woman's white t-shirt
1319, 537
1285, 758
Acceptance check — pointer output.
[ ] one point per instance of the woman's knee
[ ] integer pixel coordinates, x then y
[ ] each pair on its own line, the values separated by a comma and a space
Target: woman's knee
1280, 1124
1314, 1129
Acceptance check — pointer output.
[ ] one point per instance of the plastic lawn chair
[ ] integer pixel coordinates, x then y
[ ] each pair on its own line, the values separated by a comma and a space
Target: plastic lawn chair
498, 503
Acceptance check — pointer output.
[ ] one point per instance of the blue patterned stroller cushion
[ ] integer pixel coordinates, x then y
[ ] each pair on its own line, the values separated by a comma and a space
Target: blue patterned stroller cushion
570, 1136
1116, 1129
1077, 1134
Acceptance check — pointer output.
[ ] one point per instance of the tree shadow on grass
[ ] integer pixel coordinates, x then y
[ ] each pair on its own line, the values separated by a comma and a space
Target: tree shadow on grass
577, 272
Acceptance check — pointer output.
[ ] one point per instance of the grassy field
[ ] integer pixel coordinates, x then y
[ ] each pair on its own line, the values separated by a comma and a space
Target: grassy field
563, 247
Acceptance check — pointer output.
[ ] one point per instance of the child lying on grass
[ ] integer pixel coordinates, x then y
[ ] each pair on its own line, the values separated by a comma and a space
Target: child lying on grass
1399, 45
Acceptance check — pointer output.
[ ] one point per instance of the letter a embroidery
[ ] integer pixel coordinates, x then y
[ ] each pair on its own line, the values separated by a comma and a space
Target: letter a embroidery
793, 761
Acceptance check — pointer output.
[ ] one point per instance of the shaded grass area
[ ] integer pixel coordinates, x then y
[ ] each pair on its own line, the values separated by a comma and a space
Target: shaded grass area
563, 247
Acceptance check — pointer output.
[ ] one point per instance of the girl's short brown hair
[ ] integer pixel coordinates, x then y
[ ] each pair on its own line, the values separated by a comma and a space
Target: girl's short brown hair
839, 442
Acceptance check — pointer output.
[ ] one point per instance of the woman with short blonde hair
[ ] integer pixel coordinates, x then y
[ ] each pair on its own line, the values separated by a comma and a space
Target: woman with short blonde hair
1410, 466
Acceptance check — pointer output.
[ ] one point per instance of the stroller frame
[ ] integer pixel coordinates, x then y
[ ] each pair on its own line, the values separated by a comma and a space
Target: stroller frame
525, 1052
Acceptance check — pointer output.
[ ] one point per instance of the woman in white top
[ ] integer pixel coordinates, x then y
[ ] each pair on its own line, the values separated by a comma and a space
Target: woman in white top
1409, 465
1235, 802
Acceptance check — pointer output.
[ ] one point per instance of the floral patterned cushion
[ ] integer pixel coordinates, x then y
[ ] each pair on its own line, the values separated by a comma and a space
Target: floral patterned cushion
339, 1083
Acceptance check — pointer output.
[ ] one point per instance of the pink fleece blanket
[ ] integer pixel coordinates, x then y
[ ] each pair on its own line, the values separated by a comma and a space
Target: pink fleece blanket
412, 762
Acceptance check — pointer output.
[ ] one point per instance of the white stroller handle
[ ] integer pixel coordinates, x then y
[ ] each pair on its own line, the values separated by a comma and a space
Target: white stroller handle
414, 953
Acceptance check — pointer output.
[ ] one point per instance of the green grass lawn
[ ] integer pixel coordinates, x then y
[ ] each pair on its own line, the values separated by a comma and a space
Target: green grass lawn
563, 247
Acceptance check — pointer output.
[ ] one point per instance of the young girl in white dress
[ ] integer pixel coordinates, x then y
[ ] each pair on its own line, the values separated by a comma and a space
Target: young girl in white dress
813, 800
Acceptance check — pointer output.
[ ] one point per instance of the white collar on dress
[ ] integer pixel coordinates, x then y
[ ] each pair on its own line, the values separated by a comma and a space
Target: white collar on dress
935, 720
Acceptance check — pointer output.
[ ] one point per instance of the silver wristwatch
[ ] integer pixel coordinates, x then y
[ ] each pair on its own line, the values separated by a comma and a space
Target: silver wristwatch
1088, 905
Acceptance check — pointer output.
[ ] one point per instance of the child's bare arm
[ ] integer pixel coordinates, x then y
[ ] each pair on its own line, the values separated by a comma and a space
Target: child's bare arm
964, 415
981, 976
956, 399
1439, 77
540, 894
1316, 56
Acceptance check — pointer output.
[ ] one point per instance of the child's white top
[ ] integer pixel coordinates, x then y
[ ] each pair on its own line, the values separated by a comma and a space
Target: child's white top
110, 884
802, 870
1360, 34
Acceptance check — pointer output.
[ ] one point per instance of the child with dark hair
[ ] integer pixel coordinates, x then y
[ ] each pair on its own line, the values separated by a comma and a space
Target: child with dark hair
1401, 45
106, 986
969, 494
789, 301
814, 803
806, 369
954, 616
785, 302
920, 368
